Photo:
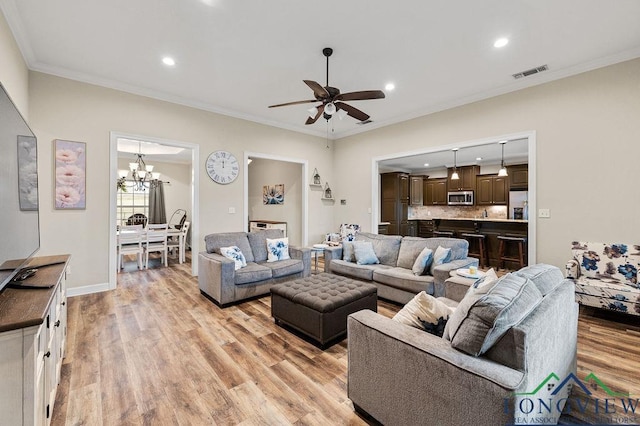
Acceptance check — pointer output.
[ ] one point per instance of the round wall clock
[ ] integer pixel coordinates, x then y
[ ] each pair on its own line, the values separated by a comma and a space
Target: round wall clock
222, 167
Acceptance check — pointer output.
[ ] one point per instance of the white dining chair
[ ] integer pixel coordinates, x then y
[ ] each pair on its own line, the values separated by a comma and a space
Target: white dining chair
130, 242
156, 240
181, 242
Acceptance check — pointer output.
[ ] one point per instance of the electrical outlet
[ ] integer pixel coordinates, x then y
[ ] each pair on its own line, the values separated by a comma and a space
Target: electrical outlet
232, 210
544, 213
369, 210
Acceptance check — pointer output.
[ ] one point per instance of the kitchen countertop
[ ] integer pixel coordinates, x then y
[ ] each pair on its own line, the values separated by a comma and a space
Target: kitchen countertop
478, 219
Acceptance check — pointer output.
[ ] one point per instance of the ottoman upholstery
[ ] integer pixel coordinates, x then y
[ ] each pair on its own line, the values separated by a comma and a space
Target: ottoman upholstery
318, 306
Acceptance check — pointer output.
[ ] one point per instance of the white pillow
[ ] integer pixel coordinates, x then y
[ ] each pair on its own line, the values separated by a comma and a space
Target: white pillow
234, 253
277, 249
484, 284
442, 255
426, 313
421, 265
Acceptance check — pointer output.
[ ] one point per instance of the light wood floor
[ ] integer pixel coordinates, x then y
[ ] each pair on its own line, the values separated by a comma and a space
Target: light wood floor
156, 352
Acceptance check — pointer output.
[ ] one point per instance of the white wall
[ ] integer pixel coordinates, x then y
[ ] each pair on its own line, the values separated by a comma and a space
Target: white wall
270, 172
588, 145
14, 74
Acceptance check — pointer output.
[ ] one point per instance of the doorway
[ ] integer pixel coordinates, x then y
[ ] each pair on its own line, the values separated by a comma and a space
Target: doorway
188, 193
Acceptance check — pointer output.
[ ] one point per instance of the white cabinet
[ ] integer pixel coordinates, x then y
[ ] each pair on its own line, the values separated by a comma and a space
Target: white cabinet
32, 343
258, 225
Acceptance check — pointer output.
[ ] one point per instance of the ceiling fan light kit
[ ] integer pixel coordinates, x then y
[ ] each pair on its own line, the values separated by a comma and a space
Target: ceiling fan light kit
332, 101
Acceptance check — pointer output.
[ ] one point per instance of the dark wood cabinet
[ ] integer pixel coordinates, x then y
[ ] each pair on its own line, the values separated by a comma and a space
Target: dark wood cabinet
425, 228
519, 177
435, 192
416, 188
394, 203
409, 229
491, 190
467, 180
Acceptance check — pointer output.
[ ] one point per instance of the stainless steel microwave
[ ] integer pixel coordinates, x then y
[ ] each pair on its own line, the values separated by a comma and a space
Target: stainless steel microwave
460, 198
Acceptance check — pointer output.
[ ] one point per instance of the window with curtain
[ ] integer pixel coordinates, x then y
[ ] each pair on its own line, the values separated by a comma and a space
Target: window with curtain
130, 202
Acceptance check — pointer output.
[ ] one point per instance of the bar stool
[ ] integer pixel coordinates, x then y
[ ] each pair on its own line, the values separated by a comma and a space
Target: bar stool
448, 234
482, 248
504, 240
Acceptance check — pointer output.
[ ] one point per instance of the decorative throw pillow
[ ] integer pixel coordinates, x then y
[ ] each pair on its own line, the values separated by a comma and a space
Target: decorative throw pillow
492, 314
421, 265
347, 251
484, 284
234, 253
364, 253
426, 313
277, 249
442, 255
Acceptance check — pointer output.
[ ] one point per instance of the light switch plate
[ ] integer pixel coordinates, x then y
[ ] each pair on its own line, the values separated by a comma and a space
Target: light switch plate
232, 210
544, 213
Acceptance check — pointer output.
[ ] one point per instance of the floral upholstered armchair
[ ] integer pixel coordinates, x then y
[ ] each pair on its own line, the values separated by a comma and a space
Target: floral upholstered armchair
606, 275
347, 232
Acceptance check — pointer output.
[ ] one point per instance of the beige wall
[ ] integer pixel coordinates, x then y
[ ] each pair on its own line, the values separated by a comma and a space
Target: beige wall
588, 147
270, 172
14, 74
65, 109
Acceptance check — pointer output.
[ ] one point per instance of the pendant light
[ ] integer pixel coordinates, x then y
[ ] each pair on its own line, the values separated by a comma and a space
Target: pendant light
503, 170
454, 175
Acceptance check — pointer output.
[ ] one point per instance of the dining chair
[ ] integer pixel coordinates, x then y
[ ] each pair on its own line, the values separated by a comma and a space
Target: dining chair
156, 240
181, 242
130, 242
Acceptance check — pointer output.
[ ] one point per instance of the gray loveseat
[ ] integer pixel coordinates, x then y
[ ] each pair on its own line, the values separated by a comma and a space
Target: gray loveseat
220, 282
393, 275
402, 375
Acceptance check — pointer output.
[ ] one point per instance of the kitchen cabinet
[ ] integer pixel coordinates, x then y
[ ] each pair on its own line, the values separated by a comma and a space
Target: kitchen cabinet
409, 229
416, 184
491, 190
394, 204
425, 228
467, 180
435, 192
518, 177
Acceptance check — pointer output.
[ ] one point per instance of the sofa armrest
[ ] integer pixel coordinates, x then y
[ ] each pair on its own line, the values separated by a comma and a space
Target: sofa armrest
572, 269
434, 375
331, 253
441, 273
216, 277
304, 254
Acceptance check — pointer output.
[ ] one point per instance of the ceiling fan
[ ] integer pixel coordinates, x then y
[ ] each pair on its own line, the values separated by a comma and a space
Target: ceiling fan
332, 99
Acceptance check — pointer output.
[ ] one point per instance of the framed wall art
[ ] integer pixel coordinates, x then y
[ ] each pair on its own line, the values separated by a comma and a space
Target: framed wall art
70, 170
273, 194
27, 173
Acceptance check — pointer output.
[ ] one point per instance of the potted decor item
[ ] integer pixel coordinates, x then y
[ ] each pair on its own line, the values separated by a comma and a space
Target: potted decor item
327, 191
316, 177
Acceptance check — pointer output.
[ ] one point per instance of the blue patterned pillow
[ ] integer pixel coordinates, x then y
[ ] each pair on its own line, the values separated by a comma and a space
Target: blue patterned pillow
442, 255
421, 265
234, 253
364, 253
277, 249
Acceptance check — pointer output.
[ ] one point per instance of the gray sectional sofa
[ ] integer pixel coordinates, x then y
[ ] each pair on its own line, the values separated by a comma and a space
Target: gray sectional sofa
393, 275
220, 282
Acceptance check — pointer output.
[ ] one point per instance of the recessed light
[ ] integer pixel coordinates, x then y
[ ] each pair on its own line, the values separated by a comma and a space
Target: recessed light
478, 158
389, 86
426, 164
168, 61
501, 42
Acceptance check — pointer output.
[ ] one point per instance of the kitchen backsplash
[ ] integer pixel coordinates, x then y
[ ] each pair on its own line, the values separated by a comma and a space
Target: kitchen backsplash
470, 212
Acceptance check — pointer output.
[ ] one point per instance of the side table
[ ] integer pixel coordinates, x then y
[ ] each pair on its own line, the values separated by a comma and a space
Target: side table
456, 286
316, 250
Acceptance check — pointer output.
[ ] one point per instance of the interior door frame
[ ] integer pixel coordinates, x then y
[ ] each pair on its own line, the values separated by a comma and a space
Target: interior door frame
113, 176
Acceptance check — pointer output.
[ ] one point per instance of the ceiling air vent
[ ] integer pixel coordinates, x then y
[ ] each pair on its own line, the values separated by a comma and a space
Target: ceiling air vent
532, 71
362, 123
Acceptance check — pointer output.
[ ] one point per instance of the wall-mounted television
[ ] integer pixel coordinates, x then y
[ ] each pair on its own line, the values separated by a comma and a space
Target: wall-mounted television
19, 216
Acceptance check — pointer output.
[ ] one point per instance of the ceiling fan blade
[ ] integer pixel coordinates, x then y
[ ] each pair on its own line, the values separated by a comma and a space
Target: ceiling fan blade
312, 120
318, 90
360, 96
294, 103
353, 112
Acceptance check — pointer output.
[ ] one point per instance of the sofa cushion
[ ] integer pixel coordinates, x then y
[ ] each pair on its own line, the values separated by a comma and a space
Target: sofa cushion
227, 239
607, 261
386, 247
404, 279
283, 268
364, 254
258, 242
252, 273
482, 319
410, 248
363, 272
545, 277
423, 262
348, 254
426, 313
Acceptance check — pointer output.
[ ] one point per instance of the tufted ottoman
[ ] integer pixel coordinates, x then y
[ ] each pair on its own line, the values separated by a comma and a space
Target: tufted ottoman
318, 306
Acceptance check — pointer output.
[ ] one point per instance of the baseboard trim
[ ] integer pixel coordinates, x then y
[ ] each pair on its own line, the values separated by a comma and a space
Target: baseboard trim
87, 289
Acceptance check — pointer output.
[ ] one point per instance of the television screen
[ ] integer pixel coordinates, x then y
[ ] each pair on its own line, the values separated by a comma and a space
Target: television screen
19, 219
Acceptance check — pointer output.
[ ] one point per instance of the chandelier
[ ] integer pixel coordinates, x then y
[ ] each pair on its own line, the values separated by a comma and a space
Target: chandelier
141, 173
